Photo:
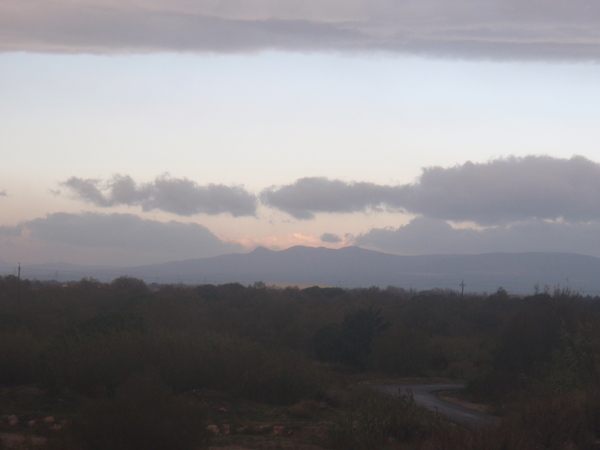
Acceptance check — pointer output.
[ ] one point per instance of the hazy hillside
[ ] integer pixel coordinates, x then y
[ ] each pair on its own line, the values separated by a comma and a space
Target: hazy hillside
357, 267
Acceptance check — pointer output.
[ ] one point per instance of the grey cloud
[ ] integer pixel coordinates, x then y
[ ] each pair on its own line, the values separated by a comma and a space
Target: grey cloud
497, 192
331, 238
311, 195
508, 190
126, 232
176, 195
109, 29
8, 231
496, 29
185, 197
87, 190
431, 236
420, 236
3, 194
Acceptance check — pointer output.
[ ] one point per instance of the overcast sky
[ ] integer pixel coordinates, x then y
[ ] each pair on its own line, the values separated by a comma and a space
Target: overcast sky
134, 132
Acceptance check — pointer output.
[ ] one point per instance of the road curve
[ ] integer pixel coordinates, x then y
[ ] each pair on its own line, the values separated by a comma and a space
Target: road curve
423, 395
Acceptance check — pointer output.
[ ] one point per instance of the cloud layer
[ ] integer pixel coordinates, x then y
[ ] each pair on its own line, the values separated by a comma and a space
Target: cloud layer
497, 192
330, 238
176, 195
118, 238
508, 190
501, 191
431, 236
534, 203
497, 29
311, 195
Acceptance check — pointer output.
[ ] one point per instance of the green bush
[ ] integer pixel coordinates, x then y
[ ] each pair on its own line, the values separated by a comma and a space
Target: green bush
142, 414
86, 362
19, 360
376, 418
565, 422
185, 360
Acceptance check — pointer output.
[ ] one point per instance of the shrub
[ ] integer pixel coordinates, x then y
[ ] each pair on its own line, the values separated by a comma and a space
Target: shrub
142, 414
18, 357
185, 360
377, 417
566, 422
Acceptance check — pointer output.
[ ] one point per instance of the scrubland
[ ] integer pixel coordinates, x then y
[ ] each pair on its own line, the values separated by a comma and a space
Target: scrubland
126, 365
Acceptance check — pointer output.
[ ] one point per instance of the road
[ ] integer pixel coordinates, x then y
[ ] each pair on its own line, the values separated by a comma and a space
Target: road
423, 395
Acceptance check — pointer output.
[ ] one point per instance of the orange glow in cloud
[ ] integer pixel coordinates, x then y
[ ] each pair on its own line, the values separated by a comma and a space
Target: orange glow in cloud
282, 242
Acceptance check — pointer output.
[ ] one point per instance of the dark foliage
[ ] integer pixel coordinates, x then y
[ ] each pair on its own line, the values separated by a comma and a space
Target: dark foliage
268, 345
350, 342
142, 414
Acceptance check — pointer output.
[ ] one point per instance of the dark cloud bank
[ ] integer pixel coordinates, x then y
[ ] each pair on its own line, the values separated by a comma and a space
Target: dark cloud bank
535, 203
499, 192
176, 195
431, 236
125, 233
495, 29
308, 196
330, 238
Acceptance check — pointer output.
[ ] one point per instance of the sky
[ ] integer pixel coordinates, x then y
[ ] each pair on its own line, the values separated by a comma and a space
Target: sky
144, 131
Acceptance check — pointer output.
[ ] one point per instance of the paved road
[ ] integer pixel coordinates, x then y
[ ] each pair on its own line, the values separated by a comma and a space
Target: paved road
423, 395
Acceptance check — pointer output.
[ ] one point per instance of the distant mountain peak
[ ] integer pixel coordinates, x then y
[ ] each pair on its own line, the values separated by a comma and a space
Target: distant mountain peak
260, 250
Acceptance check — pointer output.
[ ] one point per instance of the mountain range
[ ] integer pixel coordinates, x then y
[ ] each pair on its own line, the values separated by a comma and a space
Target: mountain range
351, 267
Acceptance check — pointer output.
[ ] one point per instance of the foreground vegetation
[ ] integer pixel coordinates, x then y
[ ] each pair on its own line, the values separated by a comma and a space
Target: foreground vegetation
124, 365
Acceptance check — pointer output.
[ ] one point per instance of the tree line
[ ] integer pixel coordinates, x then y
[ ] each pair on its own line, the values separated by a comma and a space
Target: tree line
279, 346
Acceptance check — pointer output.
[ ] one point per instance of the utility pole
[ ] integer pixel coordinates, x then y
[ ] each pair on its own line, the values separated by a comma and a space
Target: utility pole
462, 288
19, 282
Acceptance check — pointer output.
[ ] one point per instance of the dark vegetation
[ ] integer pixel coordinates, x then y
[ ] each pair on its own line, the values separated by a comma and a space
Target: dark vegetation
125, 365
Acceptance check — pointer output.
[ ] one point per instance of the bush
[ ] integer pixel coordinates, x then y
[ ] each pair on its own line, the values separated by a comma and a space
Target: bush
184, 360
377, 418
566, 422
142, 414
18, 357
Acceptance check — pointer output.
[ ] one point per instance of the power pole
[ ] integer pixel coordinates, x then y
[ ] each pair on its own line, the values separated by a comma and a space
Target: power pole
19, 282
462, 288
